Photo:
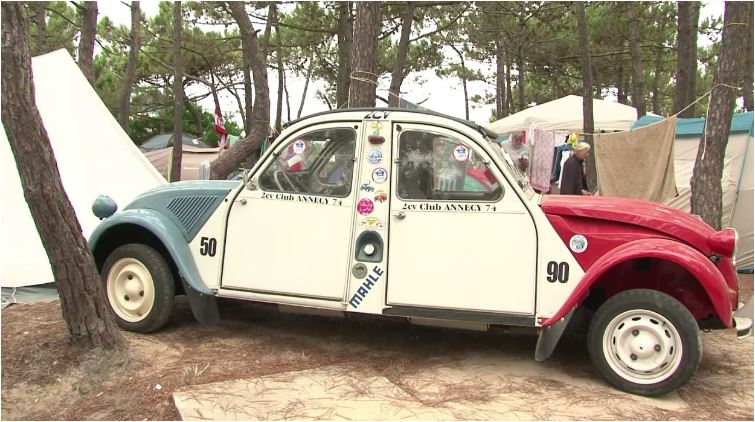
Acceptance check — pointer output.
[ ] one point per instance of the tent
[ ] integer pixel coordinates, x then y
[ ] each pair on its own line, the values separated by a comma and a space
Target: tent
94, 156
565, 114
736, 181
191, 159
165, 140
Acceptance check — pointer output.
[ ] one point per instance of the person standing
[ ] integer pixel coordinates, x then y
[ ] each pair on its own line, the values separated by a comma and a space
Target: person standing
573, 180
518, 151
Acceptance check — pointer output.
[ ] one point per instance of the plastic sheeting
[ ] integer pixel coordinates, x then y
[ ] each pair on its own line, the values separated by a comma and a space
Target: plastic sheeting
565, 114
94, 156
191, 160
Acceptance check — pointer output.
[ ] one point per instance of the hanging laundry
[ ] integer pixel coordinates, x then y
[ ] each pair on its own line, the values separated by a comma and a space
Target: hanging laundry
638, 163
542, 159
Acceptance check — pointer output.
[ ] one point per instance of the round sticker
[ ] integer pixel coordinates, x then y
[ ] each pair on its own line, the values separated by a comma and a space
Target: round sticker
365, 206
578, 243
299, 146
375, 156
461, 153
379, 175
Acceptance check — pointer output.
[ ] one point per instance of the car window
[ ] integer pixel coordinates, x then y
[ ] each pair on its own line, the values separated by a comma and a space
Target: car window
320, 162
433, 166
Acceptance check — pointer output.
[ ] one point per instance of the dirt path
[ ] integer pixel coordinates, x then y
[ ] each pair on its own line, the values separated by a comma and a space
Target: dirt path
43, 377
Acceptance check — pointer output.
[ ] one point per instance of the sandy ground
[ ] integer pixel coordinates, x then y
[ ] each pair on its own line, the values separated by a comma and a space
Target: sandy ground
262, 364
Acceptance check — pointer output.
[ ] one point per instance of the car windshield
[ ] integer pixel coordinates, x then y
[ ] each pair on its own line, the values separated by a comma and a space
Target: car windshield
520, 177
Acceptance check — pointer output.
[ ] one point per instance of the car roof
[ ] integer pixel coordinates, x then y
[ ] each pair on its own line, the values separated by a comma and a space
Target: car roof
467, 123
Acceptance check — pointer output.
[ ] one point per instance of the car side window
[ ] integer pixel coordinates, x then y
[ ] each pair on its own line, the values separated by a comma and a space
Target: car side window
320, 162
433, 166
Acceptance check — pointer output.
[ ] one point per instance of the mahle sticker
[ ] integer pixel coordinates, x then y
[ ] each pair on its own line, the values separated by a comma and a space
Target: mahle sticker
375, 156
299, 146
578, 243
379, 175
461, 153
365, 206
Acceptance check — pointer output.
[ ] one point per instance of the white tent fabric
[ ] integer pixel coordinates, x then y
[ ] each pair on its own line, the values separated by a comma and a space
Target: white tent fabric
93, 154
191, 160
565, 114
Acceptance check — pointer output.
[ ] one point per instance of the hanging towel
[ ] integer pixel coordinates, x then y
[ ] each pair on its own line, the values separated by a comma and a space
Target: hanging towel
542, 159
639, 163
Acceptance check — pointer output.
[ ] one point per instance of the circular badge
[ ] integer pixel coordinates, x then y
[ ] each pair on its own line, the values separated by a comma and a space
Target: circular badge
578, 243
299, 146
461, 153
375, 156
379, 175
365, 206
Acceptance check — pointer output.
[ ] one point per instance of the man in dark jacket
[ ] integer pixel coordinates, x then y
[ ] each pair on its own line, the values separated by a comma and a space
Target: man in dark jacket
573, 181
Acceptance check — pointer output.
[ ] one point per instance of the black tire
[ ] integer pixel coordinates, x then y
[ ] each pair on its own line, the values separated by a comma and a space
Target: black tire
162, 284
687, 334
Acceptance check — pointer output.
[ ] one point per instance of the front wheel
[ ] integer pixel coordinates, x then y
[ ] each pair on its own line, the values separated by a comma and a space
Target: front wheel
644, 342
139, 287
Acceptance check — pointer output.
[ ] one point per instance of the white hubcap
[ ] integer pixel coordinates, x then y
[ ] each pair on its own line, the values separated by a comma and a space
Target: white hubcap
642, 346
130, 289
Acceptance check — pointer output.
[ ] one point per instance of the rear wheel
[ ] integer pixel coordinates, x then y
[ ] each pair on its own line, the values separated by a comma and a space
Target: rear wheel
644, 342
139, 287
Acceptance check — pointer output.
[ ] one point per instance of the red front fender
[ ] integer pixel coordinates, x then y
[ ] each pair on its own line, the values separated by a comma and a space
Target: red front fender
687, 257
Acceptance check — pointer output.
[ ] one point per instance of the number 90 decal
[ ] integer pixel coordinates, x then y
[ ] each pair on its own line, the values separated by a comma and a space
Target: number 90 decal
558, 271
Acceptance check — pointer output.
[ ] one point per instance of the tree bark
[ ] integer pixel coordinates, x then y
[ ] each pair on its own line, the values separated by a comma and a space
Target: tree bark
463, 77
520, 78
364, 64
175, 167
133, 59
273, 13
747, 83
621, 92
500, 81
310, 66
288, 99
247, 92
243, 148
86, 41
82, 299
345, 48
706, 176
686, 53
397, 76
508, 105
638, 82
587, 112
40, 21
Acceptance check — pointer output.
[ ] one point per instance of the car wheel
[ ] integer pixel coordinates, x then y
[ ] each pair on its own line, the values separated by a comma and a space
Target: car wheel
139, 287
644, 342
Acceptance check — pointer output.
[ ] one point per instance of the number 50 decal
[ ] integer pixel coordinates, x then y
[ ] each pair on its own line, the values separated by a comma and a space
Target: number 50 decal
558, 271
208, 246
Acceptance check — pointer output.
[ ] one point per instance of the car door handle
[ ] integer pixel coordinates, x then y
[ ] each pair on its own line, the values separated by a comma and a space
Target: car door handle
400, 215
241, 201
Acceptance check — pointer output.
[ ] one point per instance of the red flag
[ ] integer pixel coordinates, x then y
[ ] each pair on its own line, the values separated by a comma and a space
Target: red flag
220, 128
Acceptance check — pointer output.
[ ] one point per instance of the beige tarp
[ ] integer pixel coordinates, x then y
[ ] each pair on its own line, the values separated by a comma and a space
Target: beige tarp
737, 208
638, 163
191, 159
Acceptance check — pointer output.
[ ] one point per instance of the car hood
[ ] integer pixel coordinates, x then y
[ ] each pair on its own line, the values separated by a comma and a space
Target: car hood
670, 221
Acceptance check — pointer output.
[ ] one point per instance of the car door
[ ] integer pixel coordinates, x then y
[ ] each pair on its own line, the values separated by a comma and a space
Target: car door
460, 236
290, 235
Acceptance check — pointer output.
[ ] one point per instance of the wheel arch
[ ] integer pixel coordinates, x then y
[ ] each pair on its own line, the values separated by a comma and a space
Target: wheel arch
147, 227
695, 280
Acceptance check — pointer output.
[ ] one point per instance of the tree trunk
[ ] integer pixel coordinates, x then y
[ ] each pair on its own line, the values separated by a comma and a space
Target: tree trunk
175, 167
500, 81
310, 66
345, 48
747, 83
288, 100
86, 41
195, 113
658, 72
247, 92
243, 148
279, 59
638, 83
364, 63
587, 112
520, 78
686, 53
706, 176
397, 76
40, 21
463, 77
508, 106
621, 92
133, 59
82, 299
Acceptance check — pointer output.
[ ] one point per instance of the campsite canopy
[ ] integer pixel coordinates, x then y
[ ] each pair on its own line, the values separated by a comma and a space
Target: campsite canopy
736, 180
93, 154
565, 114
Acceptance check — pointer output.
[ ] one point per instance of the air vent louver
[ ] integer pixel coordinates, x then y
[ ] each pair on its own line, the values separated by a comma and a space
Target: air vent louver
188, 209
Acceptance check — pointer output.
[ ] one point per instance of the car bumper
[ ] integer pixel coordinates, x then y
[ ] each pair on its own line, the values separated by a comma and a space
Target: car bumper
743, 317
